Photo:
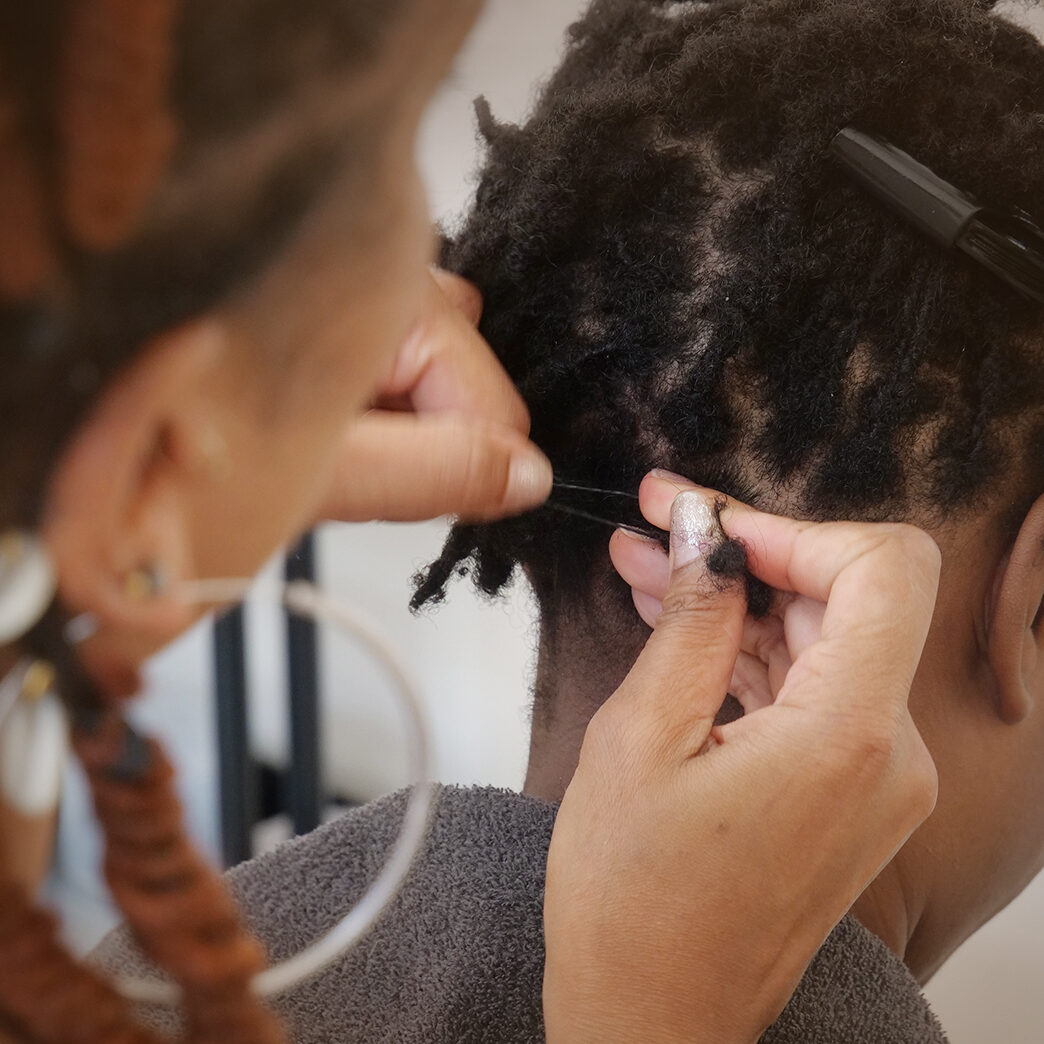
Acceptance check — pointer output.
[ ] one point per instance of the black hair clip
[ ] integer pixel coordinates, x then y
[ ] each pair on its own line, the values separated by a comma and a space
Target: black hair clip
1009, 244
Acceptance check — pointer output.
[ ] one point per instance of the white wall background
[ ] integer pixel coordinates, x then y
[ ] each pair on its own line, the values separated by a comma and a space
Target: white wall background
471, 659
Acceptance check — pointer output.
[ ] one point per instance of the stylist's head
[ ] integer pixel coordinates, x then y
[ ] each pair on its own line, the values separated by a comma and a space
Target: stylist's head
212, 239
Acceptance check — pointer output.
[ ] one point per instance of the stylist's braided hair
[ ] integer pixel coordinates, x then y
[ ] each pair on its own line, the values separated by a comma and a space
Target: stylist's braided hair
115, 224
677, 275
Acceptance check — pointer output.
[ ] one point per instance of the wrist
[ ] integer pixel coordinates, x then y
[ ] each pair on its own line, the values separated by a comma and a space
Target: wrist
584, 1007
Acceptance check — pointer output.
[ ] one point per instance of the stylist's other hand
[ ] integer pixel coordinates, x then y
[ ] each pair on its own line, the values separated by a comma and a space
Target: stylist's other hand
695, 870
449, 434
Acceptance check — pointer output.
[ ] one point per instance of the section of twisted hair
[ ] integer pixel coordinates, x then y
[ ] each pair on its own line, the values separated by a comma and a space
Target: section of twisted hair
116, 130
114, 137
676, 274
176, 905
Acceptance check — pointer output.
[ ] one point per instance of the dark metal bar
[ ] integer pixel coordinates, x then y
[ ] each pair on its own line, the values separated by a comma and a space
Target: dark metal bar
237, 775
305, 797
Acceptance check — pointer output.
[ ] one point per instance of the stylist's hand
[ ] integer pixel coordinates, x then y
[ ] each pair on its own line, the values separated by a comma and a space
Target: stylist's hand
449, 433
695, 870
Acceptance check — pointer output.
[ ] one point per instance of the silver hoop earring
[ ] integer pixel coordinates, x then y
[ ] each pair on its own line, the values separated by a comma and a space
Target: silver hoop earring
305, 599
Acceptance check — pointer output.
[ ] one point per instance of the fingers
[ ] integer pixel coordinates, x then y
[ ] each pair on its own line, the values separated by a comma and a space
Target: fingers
802, 625
446, 365
791, 555
679, 682
771, 643
877, 581
643, 565
750, 683
641, 562
450, 433
404, 467
464, 296
648, 607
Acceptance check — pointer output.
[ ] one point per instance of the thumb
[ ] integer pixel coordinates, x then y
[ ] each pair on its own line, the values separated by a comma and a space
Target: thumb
680, 681
404, 467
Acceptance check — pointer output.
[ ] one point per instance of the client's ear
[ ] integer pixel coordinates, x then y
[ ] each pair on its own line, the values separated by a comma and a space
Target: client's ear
118, 511
1016, 628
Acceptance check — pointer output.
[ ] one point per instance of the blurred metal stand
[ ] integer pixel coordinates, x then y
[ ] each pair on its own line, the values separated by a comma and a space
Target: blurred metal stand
238, 773
304, 801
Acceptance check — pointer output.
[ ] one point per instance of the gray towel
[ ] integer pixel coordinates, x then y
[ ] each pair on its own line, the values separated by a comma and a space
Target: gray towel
458, 958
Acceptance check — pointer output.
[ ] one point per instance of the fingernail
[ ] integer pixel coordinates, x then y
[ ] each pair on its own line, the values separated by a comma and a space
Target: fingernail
638, 538
669, 476
529, 479
695, 530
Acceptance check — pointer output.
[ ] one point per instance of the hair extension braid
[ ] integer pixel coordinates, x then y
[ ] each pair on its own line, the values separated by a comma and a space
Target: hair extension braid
44, 989
115, 123
178, 908
28, 261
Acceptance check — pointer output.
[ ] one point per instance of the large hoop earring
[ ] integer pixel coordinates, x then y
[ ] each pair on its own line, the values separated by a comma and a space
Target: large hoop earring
305, 599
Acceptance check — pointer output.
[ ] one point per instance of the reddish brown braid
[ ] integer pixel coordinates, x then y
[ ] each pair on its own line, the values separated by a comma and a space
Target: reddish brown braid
176, 906
116, 129
179, 909
28, 261
116, 135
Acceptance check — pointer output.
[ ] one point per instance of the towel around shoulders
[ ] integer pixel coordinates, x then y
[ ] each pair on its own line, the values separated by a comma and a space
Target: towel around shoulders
458, 958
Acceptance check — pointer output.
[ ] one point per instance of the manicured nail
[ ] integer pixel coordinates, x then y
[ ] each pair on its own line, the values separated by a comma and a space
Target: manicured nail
695, 530
638, 538
669, 476
529, 480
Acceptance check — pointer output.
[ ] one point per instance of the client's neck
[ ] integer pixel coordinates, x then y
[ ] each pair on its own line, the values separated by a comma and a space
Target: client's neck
586, 652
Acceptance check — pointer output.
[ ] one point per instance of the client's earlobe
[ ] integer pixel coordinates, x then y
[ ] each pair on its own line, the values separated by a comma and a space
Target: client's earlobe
1016, 634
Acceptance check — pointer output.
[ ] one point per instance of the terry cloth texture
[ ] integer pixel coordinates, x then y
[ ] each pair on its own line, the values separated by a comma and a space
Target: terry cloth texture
458, 958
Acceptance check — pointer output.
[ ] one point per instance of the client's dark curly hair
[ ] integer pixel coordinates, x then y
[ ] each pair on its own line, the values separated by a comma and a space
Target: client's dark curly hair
677, 275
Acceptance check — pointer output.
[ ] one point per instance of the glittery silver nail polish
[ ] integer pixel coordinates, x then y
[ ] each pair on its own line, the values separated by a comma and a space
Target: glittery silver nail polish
695, 530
